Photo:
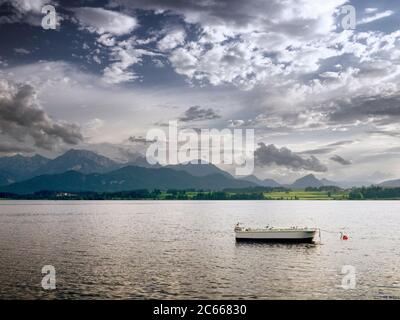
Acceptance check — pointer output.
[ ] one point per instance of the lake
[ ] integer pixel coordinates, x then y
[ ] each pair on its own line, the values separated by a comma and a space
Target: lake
187, 250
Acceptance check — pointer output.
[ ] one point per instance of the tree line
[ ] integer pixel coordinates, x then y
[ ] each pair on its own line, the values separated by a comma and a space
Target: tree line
374, 192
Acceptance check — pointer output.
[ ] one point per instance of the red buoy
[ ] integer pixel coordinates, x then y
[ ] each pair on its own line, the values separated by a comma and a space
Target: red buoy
345, 237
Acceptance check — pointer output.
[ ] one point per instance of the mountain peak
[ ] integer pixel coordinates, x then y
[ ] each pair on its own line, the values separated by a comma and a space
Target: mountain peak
327, 182
264, 183
78, 160
39, 157
307, 181
75, 152
19, 167
200, 169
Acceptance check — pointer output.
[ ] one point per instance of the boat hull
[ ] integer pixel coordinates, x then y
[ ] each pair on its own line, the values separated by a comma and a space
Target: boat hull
269, 240
295, 236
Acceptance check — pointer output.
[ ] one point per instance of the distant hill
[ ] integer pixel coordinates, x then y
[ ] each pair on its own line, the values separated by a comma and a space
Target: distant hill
270, 183
306, 181
78, 160
356, 183
311, 181
390, 183
327, 182
264, 183
125, 179
199, 169
18, 167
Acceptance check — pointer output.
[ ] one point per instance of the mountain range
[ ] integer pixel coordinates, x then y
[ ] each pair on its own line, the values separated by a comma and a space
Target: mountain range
124, 179
78, 160
18, 168
82, 170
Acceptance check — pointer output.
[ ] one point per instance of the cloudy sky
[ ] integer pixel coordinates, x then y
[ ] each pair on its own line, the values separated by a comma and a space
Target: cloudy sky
322, 99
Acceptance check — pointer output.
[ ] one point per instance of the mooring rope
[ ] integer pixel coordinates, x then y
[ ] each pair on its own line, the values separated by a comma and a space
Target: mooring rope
343, 236
329, 231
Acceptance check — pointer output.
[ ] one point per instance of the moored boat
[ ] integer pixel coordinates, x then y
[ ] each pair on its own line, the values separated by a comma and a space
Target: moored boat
270, 234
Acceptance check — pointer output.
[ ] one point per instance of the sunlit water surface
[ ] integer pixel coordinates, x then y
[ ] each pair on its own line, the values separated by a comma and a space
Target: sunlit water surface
187, 249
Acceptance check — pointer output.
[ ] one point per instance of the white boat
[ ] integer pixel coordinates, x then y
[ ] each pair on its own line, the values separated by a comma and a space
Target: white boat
270, 234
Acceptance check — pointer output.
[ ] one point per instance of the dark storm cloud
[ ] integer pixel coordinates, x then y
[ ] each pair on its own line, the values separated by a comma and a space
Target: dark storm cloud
197, 113
270, 154
323, 150
22, 11
236, 13
381, 109
385, 133
11, 148
327, 148
21, 117
340, 143
340, 160
140, 139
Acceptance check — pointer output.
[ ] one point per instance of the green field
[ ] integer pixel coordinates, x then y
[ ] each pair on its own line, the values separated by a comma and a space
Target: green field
306, 195
204, 195
282, 195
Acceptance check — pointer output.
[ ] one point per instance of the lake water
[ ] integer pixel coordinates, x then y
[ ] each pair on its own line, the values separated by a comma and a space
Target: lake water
187, 249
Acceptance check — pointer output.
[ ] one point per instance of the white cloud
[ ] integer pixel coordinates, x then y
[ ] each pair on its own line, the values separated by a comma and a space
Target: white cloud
25, 11
117, 71
95, 124
172, 39
21, 51
291, 17
102, 21
29, 5
247, 48
371, 10
376, 16
106, 39
92, 129
238, 62
96, 59
125, 54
